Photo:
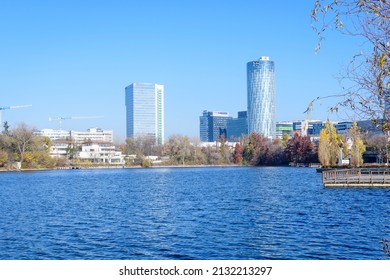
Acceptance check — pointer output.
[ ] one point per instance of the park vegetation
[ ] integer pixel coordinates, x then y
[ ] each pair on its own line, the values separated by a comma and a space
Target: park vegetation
21, 145
254, 150
368, 73
368, 97
22, 148
257, 150
366, 79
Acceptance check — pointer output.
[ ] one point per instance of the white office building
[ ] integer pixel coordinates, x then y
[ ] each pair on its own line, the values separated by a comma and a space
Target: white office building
92, 134
145, 111
54, 134
79, 137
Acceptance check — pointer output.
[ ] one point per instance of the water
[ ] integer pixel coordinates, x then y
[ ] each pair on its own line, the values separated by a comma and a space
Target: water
188, 213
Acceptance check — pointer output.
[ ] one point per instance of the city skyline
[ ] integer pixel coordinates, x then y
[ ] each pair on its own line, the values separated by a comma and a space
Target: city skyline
74, 59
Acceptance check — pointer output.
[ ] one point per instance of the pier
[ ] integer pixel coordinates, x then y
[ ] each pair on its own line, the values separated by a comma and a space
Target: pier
361, 177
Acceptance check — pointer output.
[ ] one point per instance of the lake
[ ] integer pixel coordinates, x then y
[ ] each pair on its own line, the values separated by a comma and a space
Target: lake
189, 213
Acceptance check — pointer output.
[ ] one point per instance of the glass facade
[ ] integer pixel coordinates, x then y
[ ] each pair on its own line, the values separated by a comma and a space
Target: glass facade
261, 97
283, 128
204, 127
213, 125
237, 127
306, 127
145, 111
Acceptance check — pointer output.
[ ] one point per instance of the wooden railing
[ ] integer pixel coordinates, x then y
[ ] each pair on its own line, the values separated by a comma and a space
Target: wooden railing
363, 177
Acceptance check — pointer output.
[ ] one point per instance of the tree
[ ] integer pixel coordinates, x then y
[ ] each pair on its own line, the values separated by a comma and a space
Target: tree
71, 150
358, 147
145, 162
22, 136
237, 157
256, 150
6, 145
224, 150
213, 156
329, 145
179, 148
369, 69
299, 149
276, 155
6, 128
323, 150
377, 144
285, 138
38, 159
38, 153
130, 147
197, 155
141, 145
3, 158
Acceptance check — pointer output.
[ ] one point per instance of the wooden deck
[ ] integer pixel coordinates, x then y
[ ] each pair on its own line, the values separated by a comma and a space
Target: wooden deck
362, 177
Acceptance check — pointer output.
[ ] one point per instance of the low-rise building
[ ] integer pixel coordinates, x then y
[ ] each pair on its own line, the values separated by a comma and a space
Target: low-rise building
283, 128
79, 137
101, 153
61, 148
54, 134
308, 128
92, 134
343, 127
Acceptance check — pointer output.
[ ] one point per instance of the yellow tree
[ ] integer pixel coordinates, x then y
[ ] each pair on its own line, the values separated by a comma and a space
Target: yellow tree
329, 145
323, 150
3, 157
358, 147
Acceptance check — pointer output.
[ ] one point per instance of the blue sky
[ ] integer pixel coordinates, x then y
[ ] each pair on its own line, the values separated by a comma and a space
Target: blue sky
75, 58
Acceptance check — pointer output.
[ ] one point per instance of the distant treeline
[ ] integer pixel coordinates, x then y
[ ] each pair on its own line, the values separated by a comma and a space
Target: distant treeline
23, 146
254, 149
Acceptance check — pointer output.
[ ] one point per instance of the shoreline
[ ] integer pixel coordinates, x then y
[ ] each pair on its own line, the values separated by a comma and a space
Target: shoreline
117, 167
318, 170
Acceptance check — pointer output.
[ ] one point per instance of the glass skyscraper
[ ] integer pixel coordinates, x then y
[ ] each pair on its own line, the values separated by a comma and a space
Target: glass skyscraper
213, 125
237, 127
145, 111
261, 96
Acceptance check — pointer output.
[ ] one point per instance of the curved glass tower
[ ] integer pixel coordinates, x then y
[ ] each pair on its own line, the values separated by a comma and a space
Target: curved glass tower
261, 97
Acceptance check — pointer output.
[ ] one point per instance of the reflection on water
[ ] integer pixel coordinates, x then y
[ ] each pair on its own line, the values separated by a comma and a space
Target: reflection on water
188, 213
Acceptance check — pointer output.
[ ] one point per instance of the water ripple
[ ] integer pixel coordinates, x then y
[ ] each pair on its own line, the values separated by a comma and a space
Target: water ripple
188, 213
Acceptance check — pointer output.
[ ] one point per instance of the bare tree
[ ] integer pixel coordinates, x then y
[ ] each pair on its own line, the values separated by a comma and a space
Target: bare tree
141, 145
179, 148
377, 143
22, 136
369, 69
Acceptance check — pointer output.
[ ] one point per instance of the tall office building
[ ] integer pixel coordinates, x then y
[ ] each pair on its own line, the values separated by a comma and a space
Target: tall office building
145, 111
237, 127
213, 125
261, 96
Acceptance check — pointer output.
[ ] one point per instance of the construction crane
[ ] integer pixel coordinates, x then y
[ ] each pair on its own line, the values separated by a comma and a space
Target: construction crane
9, 108
305, 125
60, 119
